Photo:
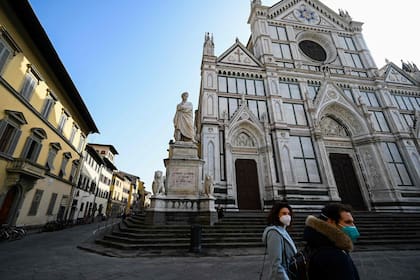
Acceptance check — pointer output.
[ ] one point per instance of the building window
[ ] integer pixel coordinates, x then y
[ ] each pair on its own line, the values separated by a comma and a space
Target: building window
277, 32
407, 102
379, 121
28, 86
396, 164
353, 60
73, 133
65, 160
74, 166
10, 131
241, 86
369, 98
63, 119
5, 53
81, 143
33, 144
52, 204
347, 43
52, 153
288, 90
312, 91
35, 203
305, 164
258, 108
408, 119
348, 93
49, 103
281, 50
295, 114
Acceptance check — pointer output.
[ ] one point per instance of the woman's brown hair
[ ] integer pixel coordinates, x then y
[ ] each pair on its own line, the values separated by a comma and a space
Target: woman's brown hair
273, 217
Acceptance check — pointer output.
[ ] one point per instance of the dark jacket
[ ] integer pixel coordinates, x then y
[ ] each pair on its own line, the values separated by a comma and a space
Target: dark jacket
331, 261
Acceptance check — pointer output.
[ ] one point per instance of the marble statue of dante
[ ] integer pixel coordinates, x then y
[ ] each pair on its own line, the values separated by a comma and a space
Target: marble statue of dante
183, 120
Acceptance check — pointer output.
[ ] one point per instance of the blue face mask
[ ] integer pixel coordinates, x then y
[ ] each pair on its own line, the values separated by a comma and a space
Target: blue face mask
352, 232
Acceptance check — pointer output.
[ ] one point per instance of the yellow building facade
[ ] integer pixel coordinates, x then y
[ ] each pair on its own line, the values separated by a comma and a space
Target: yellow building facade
44, 122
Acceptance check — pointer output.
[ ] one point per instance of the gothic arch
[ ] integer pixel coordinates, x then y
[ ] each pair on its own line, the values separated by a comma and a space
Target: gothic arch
250, 129
210, 105
211, 159
347, 117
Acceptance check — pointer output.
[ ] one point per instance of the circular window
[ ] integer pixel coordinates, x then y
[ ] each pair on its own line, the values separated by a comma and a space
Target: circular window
313, 50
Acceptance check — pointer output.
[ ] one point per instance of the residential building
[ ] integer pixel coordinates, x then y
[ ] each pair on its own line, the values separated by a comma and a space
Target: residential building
301, 113
43, 122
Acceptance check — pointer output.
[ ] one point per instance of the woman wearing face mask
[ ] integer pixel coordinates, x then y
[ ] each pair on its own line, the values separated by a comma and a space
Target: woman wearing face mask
279, 245
331, 235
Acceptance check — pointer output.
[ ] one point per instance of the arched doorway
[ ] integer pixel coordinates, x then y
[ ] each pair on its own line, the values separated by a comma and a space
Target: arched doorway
7, 206
247, 184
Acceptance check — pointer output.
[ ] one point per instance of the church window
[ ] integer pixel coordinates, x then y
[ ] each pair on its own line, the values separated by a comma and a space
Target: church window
379, 121
241, 86
277, 32
396, 164
288, 90
295, 114
233, 106
353, 60
281, 51
369, 98
223, 108
232, 85
313, 50
304, 159
347, 43
33, 145
406, 102
35, 202
222, 84
348, 93
312, 91
408, 119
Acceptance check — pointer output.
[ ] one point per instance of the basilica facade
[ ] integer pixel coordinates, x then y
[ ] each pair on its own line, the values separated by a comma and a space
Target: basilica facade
301, 113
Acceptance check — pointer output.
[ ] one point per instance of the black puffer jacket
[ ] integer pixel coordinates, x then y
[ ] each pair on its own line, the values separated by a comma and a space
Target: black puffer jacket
331, 260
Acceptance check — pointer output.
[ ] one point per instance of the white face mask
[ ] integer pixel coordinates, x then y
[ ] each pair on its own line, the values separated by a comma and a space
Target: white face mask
286, 219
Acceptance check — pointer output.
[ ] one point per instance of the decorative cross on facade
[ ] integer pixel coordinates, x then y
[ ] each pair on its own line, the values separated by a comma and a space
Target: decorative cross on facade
239, 53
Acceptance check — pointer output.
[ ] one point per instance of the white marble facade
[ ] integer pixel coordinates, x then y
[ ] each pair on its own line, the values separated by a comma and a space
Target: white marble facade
305, 104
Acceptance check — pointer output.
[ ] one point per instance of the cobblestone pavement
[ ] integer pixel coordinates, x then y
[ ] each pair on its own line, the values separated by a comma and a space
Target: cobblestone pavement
54, 256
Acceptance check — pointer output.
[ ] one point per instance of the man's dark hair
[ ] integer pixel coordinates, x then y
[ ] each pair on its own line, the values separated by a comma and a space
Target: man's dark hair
333, 211
273, 217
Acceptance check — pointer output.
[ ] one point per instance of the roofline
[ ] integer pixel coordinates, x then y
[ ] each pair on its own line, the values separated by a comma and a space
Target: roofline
112, 148
26, 15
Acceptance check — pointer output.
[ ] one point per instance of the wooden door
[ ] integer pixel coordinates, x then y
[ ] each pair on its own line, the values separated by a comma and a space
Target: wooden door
346, 180
7, 205
247, 185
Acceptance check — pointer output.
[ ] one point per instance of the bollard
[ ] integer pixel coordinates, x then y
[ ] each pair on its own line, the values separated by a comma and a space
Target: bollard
195, 240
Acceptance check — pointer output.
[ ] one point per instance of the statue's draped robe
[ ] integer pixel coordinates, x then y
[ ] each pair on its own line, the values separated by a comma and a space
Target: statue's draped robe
183, 120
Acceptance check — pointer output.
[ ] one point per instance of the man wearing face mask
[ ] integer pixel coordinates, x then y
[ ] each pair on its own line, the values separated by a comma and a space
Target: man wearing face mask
279, 245
332, 235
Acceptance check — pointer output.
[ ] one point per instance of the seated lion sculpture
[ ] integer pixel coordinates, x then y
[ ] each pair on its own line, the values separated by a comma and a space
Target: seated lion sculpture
158, 185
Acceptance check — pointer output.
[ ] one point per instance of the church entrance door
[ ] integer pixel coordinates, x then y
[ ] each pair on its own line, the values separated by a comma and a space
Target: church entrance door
346, 180
247, 184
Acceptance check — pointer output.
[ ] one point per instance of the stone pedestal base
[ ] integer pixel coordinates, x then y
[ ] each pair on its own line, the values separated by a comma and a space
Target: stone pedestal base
181, 210
185, 201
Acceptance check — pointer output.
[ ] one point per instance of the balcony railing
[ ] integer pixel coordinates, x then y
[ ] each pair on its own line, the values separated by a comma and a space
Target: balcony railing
26, 167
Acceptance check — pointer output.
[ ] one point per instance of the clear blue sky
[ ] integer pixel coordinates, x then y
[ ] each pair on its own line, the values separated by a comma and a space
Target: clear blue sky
132, 59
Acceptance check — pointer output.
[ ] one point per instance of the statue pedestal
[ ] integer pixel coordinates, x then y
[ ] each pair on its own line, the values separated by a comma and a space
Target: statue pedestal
185, 201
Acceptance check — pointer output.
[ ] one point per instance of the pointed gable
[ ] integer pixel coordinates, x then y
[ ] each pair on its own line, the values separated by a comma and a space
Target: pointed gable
239, 55
311, 12
393, 74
